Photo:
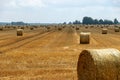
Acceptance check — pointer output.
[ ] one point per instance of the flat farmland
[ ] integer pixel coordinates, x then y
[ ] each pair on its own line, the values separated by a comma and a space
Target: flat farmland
48, 55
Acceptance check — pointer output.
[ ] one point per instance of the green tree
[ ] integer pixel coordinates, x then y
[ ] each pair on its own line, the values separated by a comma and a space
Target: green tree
87, 20
116, 21
101, 21
96, 21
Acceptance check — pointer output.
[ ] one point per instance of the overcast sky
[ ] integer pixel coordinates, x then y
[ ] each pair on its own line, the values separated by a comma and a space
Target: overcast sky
52, 11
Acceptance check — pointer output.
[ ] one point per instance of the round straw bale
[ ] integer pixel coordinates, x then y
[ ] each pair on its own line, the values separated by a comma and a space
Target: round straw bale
77, 28
31, 28
48, 27
22, 27
84, 38
91, 26
59, 29
116, 29
99, 64
86, 27
19, 32
1, 28
104, 31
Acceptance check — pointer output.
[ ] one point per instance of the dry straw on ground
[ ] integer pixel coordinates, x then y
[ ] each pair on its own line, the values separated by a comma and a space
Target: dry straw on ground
19, 32
104, 31
99, 64
84, 37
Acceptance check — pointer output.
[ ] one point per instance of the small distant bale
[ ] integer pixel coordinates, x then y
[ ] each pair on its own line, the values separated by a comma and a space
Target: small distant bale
102, 26
91, 26
19, 32
77, 28
48, 27
104, 31
86, 27
1, 28
22, 28
14, 27
35, 26
8, 26
59, 29
64, 26
99, 64
31, 28
27, 26
117, 30
85, 37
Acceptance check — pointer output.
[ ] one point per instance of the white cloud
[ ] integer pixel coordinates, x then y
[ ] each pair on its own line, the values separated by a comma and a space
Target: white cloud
21, 3
30, 3
58, 10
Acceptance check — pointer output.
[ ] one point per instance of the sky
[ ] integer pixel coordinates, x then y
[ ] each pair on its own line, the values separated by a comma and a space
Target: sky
57, 11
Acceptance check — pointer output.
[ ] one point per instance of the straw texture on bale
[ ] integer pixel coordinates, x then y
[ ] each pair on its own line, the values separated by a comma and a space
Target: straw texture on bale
19, 32
104, 31
84, 38
99, 64
116, 29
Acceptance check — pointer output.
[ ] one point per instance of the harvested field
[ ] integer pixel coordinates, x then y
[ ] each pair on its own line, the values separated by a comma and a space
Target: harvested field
48, 55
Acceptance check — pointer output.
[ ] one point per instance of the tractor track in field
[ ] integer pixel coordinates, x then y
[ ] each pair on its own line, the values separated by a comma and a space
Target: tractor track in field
24, 41
21, 39
64, 39
44, 42
11, 35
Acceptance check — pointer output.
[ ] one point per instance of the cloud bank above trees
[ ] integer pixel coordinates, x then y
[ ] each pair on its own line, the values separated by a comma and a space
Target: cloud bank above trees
58, 10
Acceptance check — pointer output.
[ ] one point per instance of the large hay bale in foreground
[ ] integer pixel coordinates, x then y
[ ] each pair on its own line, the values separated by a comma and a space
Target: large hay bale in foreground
99, 64
104, 31
19, 32
84, 37
116, 29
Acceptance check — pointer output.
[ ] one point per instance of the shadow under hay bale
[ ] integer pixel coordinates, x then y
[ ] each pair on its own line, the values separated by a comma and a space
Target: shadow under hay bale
31, 28
22, 28
59, 29
99, 64
19, 32
116, 29
104, 31
1, 28
84, 38
77, 28
86, 27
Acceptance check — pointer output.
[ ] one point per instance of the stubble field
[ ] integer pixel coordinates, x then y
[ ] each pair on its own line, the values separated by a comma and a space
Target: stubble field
48, 55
